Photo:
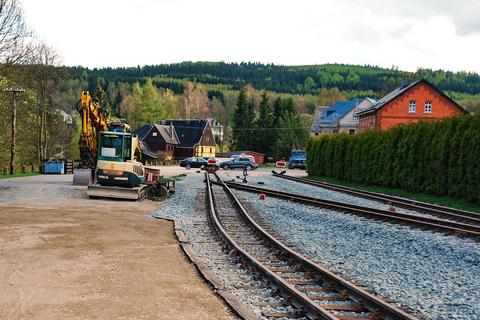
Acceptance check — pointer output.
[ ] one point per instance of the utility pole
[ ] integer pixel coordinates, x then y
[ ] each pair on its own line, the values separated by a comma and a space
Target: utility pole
14, 92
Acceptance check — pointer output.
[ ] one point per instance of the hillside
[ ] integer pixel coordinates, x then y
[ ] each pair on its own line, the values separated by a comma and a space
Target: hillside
288, 79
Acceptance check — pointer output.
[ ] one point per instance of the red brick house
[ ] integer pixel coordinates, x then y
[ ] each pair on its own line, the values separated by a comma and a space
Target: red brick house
412, 102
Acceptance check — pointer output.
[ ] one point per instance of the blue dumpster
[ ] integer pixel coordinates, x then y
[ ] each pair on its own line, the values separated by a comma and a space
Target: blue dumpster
55, 167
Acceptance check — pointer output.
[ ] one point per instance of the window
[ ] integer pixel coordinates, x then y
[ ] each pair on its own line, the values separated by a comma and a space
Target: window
351, 131
154, 134
428, 107
412, 107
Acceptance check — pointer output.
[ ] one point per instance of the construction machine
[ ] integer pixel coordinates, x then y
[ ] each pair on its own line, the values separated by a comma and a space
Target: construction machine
118, 173
94, 121
108, 155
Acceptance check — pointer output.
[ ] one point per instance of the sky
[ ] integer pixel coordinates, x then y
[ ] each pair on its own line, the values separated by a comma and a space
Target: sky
408, 34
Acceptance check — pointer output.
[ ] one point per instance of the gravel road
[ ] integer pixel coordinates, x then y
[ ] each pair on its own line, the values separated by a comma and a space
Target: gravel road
64, 256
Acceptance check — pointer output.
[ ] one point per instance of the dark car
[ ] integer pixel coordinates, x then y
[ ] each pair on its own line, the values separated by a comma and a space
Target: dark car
298, 159
240, 162
193, 162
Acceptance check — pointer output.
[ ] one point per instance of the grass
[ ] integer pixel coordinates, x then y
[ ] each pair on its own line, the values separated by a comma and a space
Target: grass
179, 177
440, 200
18, 175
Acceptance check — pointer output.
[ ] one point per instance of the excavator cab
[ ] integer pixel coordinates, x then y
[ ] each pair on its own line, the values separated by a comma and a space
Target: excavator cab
116, 164
115, 146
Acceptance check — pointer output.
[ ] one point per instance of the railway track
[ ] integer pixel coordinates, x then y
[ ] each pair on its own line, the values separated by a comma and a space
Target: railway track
308, 290
445, 226
432, 209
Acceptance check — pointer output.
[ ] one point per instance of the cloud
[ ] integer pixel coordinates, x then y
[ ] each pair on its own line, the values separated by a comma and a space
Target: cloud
463, 13
421, 33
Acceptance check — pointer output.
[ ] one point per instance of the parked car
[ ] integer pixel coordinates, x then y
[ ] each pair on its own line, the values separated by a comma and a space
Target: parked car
243, 155
239, 163
298, 159
193, 162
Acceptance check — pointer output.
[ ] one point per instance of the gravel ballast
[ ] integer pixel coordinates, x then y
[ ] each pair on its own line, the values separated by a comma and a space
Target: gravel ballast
187, 205
433, 274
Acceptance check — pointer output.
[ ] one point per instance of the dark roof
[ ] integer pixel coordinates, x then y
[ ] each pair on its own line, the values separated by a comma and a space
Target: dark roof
142, 131
146, 150
163, 129
166, 132
402, 89
189, 132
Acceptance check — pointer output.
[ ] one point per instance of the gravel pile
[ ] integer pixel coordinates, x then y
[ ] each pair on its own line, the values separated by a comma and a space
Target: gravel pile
435, 275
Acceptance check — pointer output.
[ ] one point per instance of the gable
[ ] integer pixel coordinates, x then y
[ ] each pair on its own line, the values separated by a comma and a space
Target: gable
400, 92
207, 137
154, 140
442, 106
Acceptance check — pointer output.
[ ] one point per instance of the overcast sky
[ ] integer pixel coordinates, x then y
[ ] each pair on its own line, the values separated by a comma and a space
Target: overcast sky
405, 33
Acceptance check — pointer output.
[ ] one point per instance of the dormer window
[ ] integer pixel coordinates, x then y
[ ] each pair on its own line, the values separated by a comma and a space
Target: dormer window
428, 107
154, 134
412, 107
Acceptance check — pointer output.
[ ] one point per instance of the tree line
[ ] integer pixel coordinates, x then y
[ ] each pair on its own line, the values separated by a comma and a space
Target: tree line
439, 157
272, 128
289, 79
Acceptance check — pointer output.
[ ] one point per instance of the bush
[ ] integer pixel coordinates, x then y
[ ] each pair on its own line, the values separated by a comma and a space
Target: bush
441, 157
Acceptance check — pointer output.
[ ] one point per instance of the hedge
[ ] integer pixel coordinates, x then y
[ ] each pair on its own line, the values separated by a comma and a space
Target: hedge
439, 157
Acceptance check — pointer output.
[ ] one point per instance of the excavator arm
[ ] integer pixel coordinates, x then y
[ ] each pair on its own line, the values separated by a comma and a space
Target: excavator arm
94, 120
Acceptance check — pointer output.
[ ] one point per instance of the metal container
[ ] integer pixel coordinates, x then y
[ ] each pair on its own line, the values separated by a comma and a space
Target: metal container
54, 167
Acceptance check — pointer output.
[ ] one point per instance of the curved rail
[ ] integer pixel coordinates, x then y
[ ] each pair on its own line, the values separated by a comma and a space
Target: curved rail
432, 209
374, 306
446, 226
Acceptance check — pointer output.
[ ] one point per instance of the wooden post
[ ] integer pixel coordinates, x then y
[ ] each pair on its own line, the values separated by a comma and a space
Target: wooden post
14, 91
14, 132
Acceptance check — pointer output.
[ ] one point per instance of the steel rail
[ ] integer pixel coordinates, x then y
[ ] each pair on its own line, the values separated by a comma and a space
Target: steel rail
446, 226
300, 299
430, 208
355, 293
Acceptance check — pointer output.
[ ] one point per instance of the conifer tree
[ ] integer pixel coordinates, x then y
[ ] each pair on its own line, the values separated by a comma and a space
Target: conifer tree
243, 119
264, 135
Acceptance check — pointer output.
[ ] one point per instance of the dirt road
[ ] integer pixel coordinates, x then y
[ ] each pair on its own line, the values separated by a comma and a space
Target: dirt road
63, 256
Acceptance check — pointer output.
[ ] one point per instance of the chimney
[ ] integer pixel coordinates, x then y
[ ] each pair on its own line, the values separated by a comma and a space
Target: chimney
171, 130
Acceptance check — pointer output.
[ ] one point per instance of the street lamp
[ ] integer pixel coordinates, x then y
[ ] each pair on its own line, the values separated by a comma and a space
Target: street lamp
14, 92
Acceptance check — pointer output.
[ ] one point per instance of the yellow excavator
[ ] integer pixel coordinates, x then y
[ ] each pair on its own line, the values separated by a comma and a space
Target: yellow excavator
108, 155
